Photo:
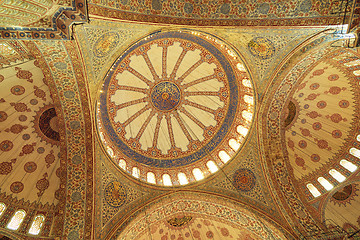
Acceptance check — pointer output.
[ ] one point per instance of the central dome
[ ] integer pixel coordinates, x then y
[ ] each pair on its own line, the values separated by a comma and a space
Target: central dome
171, 100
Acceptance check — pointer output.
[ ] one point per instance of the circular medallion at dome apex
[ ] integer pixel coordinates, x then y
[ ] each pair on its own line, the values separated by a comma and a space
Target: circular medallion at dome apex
174, 99
165, 96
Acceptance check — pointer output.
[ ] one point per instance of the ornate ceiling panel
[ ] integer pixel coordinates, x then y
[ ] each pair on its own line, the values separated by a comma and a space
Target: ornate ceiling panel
184, 215
30, 135
175, 99
225, 13
319, 118
40, 19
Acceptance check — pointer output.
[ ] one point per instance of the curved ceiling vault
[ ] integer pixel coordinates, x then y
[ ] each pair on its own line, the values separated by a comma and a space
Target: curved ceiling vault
274, 157
313, 118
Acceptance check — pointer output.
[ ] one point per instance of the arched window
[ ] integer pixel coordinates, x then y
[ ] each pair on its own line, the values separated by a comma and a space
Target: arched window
2, 208
338, 176
325, 183
246, 82
166, 180
241, 68
198, 174
358, 136
182, 178
355, 152
242, 130
313, 190
356, 73
110, 151
16, 220
212, 166
151, 178
37, 224
235, 145
348, 165
247, 115
249, 99
122, 164
136, 172
224, 157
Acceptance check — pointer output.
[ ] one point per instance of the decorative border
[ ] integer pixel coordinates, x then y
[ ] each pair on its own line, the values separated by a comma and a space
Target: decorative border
62, 20
153, 18
74, 220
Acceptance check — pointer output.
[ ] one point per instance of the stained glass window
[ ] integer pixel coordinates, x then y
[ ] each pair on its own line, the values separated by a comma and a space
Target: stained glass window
36, 225
325, 183
16, 220
198, 174
212, 166
224, 157
182, 178
151, 177
313, 190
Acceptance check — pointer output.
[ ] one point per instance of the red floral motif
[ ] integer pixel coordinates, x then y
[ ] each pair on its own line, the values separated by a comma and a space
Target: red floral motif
315, 157
312, 96
314, 86
20, 107
17, 90
305, 132
335, 90
6, 167
302, 144
291, 144
336, 134
3, 116
6, 145
1, 78
322, 144
300, 162
316, 126
16, 128
49, 159
321, 104
24, 74
27, 149
225, 232
333, 77
344, 103
42, 185
40, 93
210, 234
336, 118
17, 187
318, 72
313, 114
30, 167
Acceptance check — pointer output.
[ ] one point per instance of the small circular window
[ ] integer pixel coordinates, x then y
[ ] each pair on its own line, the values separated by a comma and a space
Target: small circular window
175, 107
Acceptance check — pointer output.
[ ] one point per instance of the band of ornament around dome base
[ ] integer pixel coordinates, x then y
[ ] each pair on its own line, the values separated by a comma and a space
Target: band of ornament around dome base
168, 95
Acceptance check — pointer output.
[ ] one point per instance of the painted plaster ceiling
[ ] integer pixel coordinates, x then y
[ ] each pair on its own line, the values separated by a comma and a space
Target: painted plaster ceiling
225, 13
29, 135
79, 117
192, 218
174, 99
